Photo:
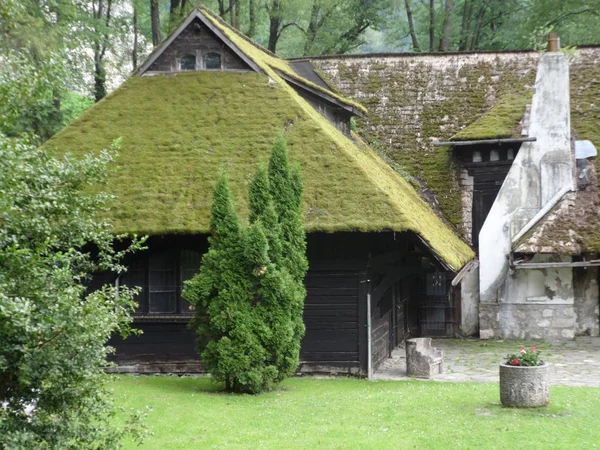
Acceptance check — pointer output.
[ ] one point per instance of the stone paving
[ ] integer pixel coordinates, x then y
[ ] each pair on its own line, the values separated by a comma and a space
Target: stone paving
572, 363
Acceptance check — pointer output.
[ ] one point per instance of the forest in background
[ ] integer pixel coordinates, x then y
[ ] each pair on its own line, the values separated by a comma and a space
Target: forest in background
59, 56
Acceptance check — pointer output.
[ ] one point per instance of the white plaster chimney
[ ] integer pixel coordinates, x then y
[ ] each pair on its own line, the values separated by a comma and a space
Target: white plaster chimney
540, 172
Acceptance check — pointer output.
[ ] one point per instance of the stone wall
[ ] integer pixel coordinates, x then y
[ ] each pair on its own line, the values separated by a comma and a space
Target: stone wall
520, 321
585, 284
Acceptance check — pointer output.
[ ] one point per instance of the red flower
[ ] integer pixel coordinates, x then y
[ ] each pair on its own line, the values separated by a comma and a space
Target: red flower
522, 350
515, 362
533, 349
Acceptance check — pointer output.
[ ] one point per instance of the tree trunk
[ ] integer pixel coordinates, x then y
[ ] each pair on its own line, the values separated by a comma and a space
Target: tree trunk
100, 50
313, 25
411, 26
431, 25
252, 18
155, 18
222, 11
447, 28
134, 52
174, 13
465, 26
234, 10
474, 41
275, 13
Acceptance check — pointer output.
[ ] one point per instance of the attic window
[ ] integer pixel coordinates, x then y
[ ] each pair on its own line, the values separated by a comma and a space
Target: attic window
212, 61
187, 62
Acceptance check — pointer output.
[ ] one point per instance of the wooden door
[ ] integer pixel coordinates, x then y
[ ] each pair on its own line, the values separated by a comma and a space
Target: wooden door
487, 181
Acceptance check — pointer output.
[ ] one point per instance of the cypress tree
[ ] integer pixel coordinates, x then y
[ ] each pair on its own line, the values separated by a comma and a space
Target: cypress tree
286, 190
249, 293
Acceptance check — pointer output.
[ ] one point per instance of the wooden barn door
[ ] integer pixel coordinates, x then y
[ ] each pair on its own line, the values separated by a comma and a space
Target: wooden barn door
331, 317
436, 307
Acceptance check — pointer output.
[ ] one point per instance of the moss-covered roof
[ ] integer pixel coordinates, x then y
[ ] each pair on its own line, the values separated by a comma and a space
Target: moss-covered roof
568, 228
501, 121
179, 130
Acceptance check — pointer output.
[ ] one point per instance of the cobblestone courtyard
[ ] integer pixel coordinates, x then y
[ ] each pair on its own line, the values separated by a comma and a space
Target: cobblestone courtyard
572, 363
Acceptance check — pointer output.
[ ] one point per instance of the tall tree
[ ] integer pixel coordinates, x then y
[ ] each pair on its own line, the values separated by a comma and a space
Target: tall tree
411, 26
101, 12
134, 50
431, 25
155, 20
449, 8
251, 18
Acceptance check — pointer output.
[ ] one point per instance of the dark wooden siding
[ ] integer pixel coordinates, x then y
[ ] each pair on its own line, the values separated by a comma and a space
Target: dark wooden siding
197, 39
336, 115
331, 341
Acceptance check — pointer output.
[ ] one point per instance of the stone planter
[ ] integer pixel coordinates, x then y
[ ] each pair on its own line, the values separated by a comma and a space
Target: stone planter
524, 387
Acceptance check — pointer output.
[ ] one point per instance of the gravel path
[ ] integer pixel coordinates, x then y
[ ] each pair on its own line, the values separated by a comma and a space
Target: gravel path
572, 363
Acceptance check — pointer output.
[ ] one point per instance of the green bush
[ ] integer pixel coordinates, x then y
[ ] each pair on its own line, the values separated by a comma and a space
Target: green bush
53, 333
249, 293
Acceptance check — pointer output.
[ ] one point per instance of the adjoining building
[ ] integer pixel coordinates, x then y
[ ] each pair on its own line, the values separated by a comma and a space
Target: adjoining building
503, 145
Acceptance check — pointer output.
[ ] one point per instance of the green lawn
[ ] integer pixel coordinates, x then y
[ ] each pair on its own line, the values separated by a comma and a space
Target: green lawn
191, 413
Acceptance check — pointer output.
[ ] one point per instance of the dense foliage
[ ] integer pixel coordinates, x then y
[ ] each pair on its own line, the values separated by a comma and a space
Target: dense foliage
57, 47
52, 331
249, 293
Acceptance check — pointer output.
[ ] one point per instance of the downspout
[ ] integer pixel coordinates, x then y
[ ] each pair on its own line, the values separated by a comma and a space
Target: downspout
369, 357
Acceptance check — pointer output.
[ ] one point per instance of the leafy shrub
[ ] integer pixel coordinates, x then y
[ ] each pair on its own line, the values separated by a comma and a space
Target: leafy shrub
53, 333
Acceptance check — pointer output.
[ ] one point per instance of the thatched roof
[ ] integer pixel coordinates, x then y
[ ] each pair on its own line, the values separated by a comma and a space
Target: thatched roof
180, 130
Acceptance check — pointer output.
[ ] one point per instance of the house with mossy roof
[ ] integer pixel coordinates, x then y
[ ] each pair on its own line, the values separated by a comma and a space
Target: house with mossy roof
208, 99
503, 146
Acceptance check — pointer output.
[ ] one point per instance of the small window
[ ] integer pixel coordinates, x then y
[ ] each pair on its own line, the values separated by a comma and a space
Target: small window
187, 62
212, 61
162, 286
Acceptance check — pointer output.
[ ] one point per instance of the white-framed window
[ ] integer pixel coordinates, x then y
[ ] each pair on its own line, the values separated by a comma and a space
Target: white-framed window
212, 61
187, 62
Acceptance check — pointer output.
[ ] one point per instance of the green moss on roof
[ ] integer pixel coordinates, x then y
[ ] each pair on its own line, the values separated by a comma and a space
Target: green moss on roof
267, 61
499, 122
179, 131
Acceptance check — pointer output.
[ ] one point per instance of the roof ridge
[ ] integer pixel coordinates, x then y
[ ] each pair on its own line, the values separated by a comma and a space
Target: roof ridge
276, 62
204, 9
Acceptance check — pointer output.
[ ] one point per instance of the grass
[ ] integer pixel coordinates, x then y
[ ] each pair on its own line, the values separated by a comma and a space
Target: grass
349, 413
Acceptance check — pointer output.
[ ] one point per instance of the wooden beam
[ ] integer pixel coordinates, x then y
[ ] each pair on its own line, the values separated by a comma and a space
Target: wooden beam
484, 141
550, 265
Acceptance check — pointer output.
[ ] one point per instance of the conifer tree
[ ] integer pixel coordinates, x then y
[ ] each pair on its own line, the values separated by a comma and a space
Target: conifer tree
248, 302
286, 189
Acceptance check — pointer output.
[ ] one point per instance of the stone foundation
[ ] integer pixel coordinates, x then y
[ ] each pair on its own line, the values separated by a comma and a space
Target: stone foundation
520, 321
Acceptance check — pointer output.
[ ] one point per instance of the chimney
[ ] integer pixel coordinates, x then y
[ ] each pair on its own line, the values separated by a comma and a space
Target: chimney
553, 42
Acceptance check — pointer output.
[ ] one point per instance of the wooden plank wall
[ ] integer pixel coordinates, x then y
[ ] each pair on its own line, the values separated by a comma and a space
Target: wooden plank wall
331, 319
380, 335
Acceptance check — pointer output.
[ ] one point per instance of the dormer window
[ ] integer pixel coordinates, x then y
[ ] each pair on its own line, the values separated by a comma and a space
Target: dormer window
212, 61
187, 62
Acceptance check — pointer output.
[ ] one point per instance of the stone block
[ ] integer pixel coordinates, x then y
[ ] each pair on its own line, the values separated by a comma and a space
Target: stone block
486, 334
568, 334
569, 312
423, 360
547, 313
563, 323
544, 323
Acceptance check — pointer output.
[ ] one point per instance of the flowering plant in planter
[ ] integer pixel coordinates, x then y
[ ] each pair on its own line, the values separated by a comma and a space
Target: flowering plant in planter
525, 357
